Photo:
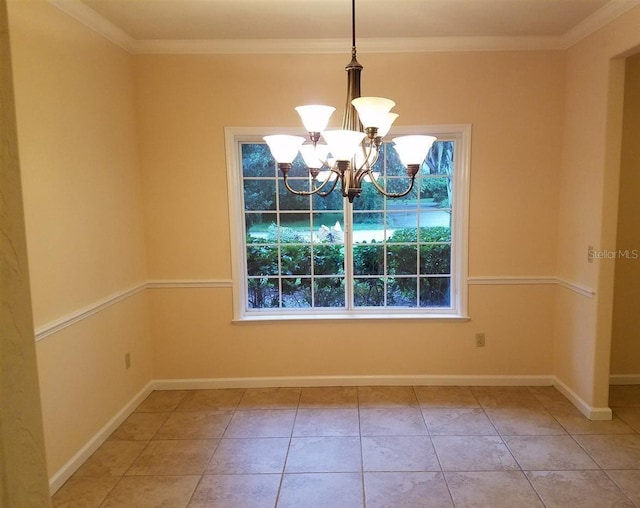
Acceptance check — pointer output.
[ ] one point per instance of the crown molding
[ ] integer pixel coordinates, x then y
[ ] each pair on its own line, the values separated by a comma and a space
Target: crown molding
327, 46
96, 22
603, 16
91, 19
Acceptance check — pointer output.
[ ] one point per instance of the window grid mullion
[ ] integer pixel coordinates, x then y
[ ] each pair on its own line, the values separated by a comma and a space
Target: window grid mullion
347, 212
385, 271
313, 246
278, 239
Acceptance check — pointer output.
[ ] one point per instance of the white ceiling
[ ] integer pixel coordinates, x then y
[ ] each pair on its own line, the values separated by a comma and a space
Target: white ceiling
302, 25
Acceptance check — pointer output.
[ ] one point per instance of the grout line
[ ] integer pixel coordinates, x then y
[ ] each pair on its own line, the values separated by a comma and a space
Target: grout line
526, 476
364, 490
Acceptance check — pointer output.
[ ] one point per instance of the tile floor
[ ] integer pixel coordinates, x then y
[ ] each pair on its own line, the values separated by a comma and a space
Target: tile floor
422, 446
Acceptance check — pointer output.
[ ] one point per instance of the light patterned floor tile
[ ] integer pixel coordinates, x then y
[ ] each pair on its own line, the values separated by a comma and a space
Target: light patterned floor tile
162, 401
524, 422
321, 490
548, 453
236, 491
329, 397
630, 416
399, 453
195, 425
579, 424
414, 490
494, 489
152, 492
629, 483
140, 427
247, 456
401, 421
261, 423
446, 397
270, 398
113, 458
424, 446
494, 397
174, 457
613, 451
83, 492
547, 395
473, 453
211, 400
327, 422
324, 455
458, 422
586, 489
386, 396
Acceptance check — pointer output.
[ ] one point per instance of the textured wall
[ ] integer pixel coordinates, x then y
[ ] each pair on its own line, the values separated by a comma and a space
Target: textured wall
23, 478
185, 101
588, 184
76, 117
625, 340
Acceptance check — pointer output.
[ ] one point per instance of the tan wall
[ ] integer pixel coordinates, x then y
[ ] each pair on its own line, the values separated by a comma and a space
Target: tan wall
193, 338
588, 185
186, 101
75, 97
625, 340
83, 378
23, 469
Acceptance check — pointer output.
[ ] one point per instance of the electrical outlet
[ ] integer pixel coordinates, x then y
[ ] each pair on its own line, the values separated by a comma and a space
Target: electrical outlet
480, 341
127, 360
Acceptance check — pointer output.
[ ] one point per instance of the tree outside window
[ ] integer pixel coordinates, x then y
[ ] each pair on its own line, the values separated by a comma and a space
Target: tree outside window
309, 252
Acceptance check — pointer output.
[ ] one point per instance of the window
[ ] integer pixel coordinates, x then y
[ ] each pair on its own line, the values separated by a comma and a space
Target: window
314, 257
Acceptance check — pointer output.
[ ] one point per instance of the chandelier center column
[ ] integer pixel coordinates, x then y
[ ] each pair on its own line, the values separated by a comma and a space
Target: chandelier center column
350, 120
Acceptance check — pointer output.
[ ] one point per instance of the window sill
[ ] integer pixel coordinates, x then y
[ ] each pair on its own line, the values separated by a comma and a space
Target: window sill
350, 317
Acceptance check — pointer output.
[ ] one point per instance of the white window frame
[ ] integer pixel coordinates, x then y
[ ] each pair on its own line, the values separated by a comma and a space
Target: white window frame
461, 134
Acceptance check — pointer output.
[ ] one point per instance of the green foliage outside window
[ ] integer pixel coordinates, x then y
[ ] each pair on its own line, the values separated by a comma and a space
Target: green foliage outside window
288, 265
415, 277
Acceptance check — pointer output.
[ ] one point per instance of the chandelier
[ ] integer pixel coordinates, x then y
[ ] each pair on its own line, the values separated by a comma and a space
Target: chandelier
355, 148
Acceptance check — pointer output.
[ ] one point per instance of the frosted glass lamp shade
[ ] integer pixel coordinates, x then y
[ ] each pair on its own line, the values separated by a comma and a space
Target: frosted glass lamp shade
315, 117
413, 149
284, 148
373, 111
384, 129
313, 156
342, 143
325, 175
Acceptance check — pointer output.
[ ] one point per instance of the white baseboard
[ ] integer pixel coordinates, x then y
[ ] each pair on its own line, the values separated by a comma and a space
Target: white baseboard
74, 463
302, 381
593, 413
624, 379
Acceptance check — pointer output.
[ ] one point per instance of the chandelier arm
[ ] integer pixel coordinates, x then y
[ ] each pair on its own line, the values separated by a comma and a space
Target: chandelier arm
367, 166
315, 190
333, 186
393, 194
344, 185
